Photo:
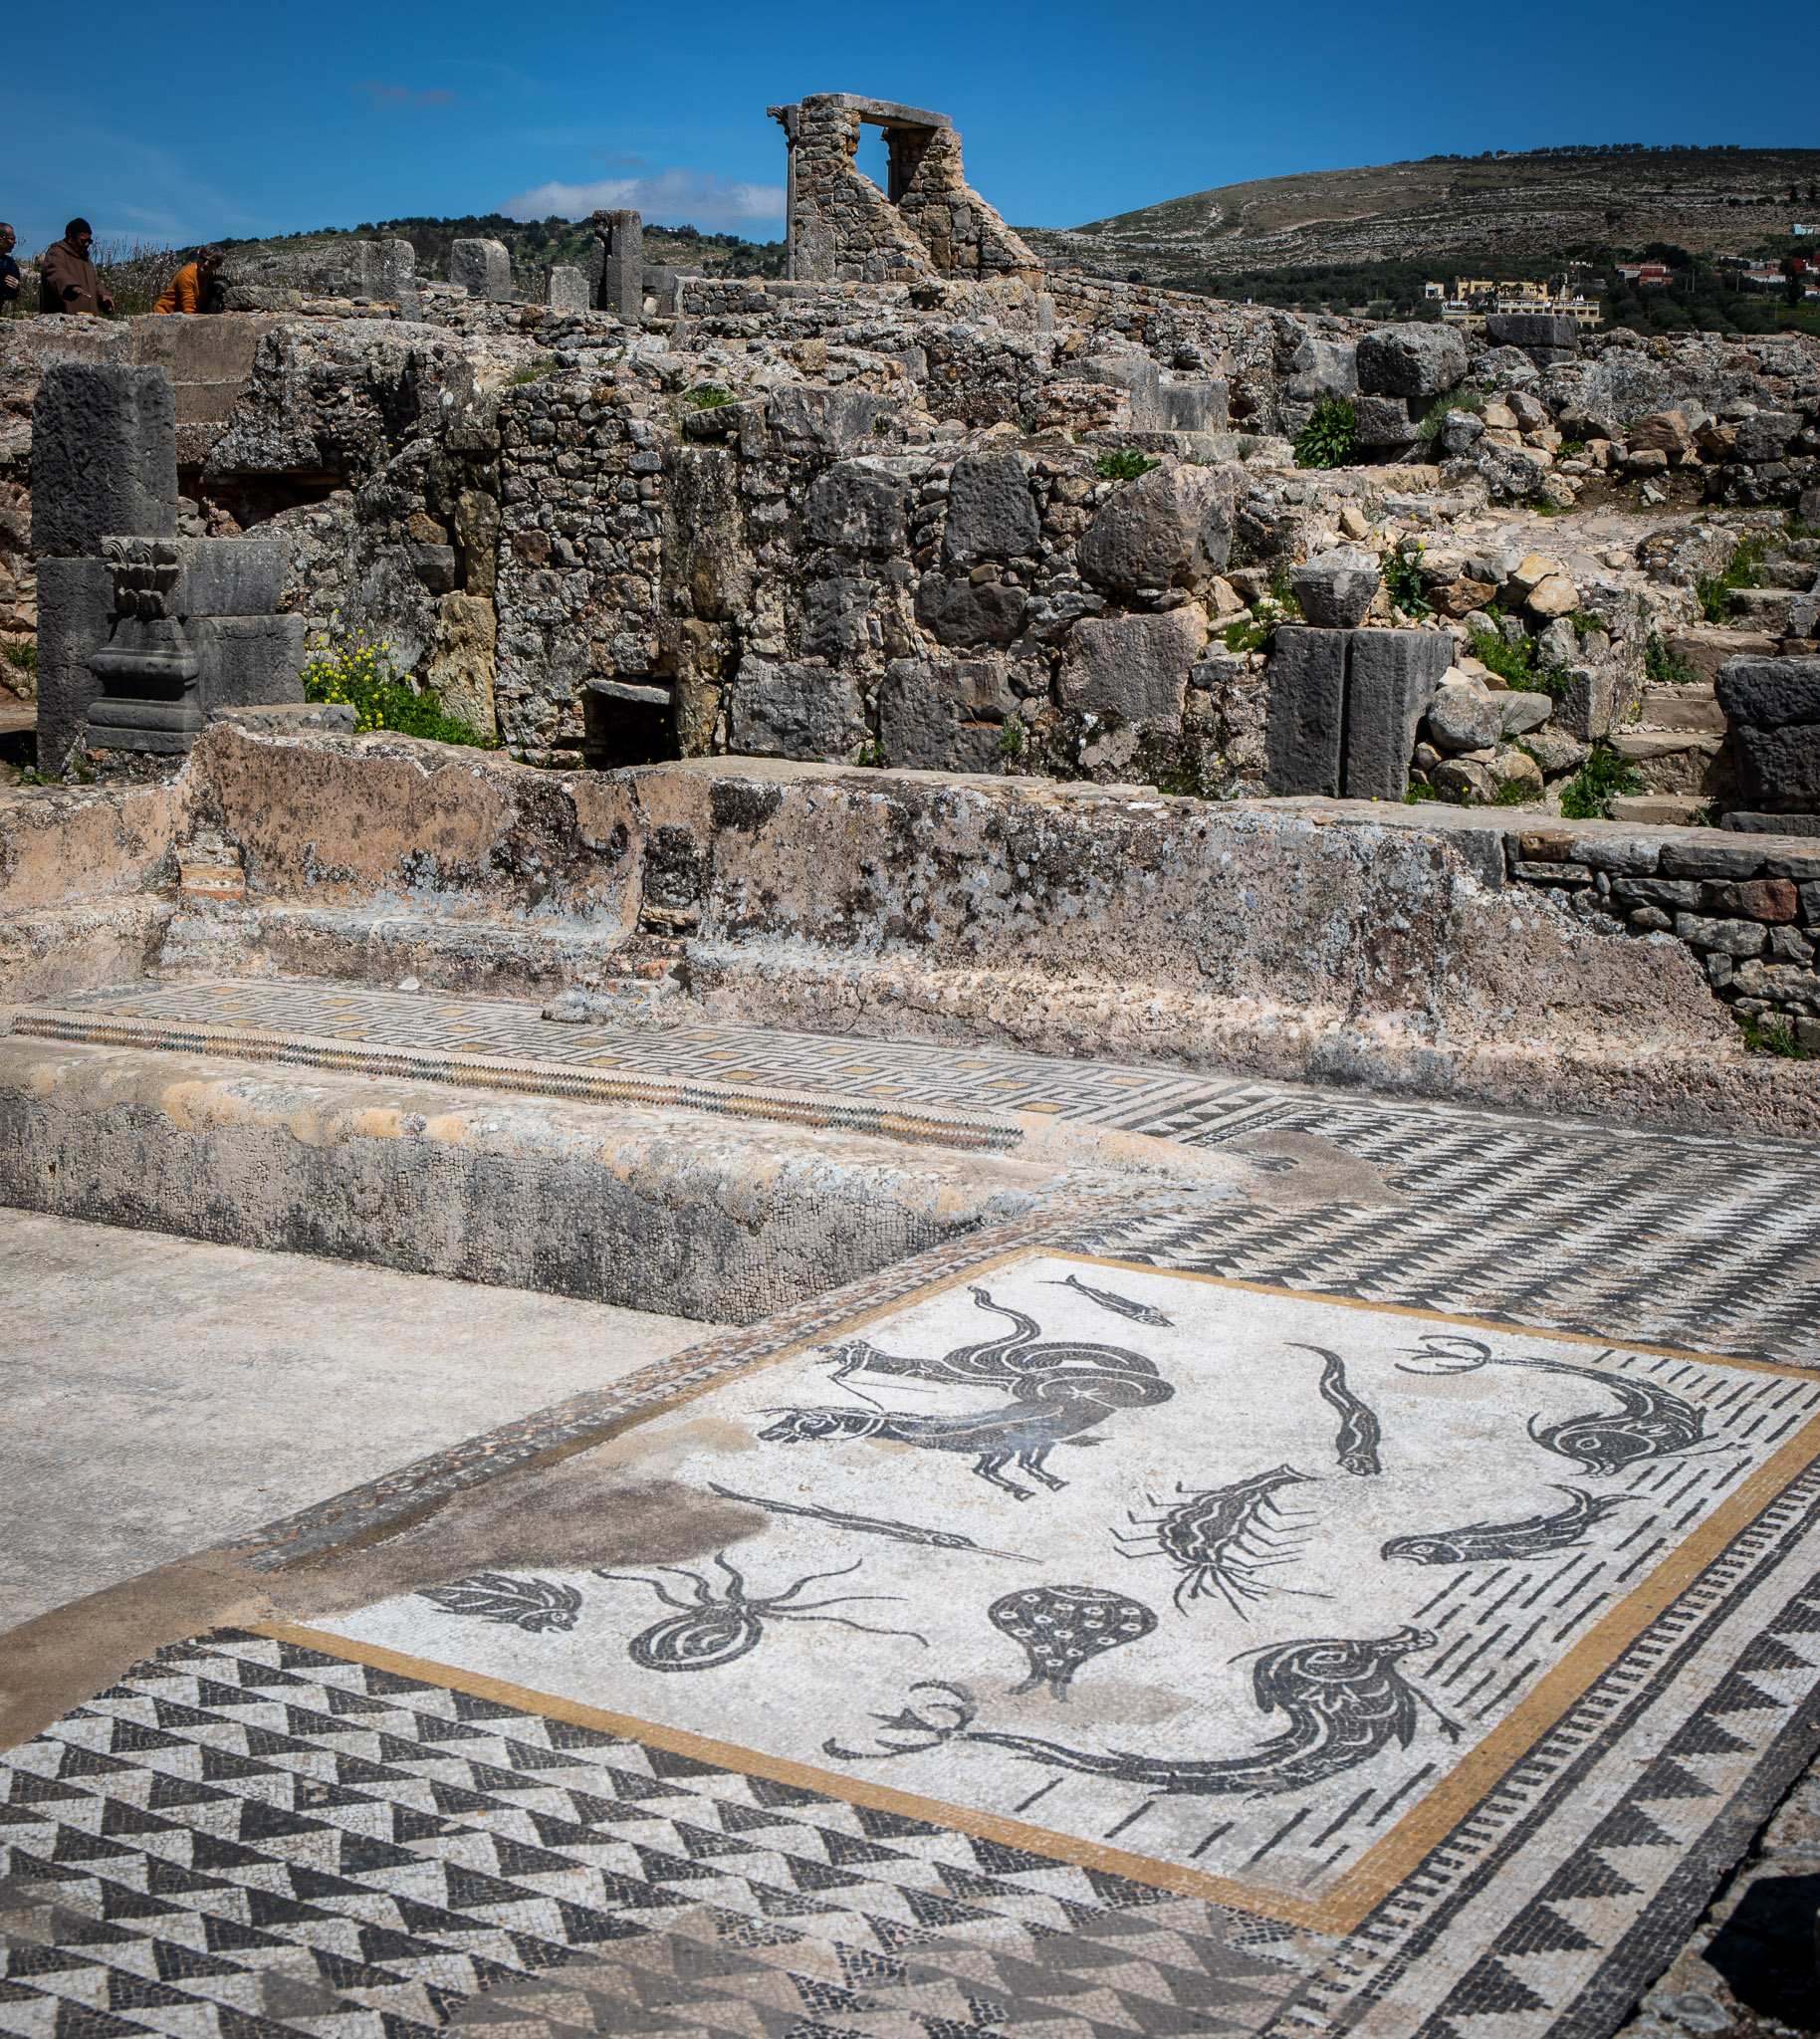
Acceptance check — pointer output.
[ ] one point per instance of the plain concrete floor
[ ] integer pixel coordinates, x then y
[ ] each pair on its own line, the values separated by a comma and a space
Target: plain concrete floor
158, 1396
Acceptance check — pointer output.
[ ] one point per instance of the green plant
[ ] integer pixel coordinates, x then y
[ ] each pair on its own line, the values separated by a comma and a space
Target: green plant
1242, 636
1514, 664
1327, 440
1286, 601
21, 657
1590, 791
1011, 737
1123, 466
1419, 789
1583, 621
361, 675
1403, 582
1246, 447
1514, 794
1570, 449
872, 755
1714, 590
1429, 430
1766, 1036
709, 397
535, 371
1661, 669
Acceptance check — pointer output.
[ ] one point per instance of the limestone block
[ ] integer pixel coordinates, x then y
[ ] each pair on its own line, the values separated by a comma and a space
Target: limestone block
569, 293
245, 659
1324, 367
1193, 406
1461, 718
1555, 596
1411, 361
1530, 573
74, 615
465, 662
836, 613
1769, 692
1586, 709
104, 457
1764, 437
1391, 677
1336, 588
830, 422
794, 711
858, 504
990, 512
964, 612
228, 577
1171, 528
1779, 768
1552, 330
1458, 431
944, 715
1382, 422
1133, 666
1307, 703
483, 269
1522, 712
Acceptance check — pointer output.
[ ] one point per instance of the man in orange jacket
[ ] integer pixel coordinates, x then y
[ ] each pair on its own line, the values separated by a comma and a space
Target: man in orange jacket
192, 288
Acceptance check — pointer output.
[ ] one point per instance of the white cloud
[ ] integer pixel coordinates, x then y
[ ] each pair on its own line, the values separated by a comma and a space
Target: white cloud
677, 197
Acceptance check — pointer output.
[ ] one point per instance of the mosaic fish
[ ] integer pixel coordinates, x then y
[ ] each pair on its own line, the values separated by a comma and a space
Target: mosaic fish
533, 1605
1649, 1422
1346, 1701
1534, 1536
1109, 1299
871, 1525
1356, 1442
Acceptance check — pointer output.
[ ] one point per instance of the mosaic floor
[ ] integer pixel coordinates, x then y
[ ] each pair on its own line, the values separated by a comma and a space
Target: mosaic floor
1426, 1694
1707, 1242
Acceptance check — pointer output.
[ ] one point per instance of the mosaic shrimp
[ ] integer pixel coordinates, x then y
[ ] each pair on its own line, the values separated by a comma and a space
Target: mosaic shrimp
1219, 1539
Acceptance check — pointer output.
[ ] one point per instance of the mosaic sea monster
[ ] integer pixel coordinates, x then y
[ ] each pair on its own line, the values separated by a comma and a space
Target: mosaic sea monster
1356, 1444
713, 1628
1649, 1423
1220, 1537
1346, 1701
1534, 1536
1065, 1387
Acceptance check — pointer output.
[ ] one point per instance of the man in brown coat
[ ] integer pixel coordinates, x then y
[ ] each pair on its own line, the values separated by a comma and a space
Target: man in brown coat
67, 278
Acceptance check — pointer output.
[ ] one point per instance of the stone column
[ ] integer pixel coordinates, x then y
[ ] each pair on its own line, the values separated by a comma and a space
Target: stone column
483, 269
103, 462
617, 266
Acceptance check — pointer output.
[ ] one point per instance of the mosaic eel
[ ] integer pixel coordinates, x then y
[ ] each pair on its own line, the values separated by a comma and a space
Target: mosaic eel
1346, 1701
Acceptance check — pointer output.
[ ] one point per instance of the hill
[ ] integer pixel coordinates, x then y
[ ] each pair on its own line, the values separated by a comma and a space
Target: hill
1506, 216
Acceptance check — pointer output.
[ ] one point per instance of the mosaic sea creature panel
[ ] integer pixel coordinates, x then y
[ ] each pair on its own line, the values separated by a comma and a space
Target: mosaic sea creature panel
1150, 1569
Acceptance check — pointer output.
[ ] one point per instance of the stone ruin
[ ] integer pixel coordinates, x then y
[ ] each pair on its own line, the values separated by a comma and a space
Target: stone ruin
921, 504
143, 636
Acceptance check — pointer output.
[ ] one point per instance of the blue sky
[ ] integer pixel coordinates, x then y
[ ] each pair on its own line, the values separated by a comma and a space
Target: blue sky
176, 124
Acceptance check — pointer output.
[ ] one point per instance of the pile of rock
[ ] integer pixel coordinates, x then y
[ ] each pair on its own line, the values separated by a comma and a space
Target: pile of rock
1403, 371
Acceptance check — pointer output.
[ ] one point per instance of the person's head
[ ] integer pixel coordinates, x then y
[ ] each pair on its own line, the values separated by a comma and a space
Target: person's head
8, 238
79, 233
209, 259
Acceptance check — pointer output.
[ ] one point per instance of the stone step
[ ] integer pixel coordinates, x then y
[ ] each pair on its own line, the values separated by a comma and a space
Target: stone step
663, 1187
1690, 707
1672, 761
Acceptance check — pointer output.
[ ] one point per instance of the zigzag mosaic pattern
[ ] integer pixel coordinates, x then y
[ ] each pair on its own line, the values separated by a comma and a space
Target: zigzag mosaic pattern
247, 1837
